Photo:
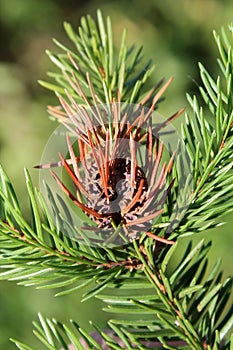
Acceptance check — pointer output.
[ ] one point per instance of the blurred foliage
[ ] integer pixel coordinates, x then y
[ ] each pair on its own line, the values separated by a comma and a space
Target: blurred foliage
176, 35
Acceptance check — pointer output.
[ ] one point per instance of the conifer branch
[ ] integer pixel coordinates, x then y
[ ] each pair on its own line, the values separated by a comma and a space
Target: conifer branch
181, 310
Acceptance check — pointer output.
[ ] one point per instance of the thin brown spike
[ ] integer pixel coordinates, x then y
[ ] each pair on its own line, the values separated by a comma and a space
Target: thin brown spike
107, 152
145, 218
73, 176
73, 61
149, 146
56, 164
159, 239
135, 198
100, 165
170, 163
66, 107
98, 116
148, 96
57, 113
133, 162
72, 83
156, 165
158, 190
169, 120
161, 91
76, 202
150, 93
155, 100
161, 178
72, 155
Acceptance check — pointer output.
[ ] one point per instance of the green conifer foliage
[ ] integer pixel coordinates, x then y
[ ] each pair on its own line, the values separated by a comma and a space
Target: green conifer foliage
154, 308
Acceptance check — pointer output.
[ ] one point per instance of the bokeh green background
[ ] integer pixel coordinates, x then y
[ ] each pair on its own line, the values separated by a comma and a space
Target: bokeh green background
175, 34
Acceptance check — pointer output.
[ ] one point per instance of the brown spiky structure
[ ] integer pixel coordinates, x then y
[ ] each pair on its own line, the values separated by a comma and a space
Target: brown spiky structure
112, 184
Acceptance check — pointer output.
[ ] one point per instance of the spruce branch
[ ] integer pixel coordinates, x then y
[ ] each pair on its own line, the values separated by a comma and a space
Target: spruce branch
181, 310
157, 326
95, 58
